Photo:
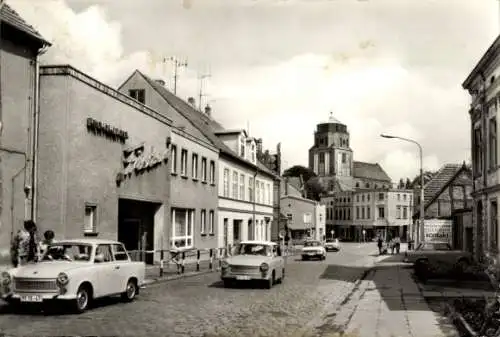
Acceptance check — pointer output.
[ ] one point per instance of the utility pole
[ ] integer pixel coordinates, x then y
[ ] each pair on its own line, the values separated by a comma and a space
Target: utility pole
201, 78
177, 64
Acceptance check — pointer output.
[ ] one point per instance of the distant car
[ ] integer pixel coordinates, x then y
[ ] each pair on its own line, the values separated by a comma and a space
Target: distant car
313, 249
254, 260
75, 271
332, 245
438, 253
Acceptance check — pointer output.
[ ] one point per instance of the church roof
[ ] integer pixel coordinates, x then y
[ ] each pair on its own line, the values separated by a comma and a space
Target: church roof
369, 171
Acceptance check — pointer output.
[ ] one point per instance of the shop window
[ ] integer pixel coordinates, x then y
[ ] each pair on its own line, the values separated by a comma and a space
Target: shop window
90, 221
204, 169
182, 228
138, 94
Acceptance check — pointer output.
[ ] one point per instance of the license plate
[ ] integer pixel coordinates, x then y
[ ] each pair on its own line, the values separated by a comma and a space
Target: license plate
311, 253
243, 278
31, 298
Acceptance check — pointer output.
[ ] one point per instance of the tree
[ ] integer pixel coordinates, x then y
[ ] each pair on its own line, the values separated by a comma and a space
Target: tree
314, 188
408, 184
297, 171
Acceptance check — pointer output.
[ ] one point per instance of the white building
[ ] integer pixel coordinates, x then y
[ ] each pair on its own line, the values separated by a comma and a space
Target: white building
320, 225
245, 208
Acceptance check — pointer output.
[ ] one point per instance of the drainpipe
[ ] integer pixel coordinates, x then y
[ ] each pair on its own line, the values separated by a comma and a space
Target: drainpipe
35, 136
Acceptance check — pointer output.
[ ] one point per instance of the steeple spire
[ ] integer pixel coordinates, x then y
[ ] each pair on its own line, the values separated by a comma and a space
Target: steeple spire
332, 119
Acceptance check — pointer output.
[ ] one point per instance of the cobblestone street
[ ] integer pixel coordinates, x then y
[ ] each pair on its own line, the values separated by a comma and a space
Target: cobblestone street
200, 306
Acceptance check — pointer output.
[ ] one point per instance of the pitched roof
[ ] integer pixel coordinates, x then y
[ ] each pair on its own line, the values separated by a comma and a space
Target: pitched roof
9, 16
369, 171
440, 180
207, 125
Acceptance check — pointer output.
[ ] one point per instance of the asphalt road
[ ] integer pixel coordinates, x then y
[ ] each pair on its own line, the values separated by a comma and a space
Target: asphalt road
200, 306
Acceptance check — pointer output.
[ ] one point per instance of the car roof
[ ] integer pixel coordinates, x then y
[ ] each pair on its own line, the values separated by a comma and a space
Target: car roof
87, 241
432, 242
258, 242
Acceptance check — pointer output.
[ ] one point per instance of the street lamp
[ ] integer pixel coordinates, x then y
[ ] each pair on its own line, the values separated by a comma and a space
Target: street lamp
420, 227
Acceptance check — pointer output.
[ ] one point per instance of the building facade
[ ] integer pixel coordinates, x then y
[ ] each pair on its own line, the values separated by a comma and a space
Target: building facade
194, 165
20, 47
483, 85
100, 174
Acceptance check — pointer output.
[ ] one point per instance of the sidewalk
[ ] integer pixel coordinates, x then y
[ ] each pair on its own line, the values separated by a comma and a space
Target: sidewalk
388, 302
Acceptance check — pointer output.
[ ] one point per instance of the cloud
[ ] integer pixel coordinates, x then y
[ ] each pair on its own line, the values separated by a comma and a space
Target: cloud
385, 69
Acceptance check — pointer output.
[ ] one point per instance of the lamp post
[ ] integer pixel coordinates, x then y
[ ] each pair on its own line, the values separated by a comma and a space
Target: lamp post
420, 228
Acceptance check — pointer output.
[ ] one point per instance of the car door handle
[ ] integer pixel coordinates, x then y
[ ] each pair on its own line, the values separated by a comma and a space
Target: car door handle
117, 267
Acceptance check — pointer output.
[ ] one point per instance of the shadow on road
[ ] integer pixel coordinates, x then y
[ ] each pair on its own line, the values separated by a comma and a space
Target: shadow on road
344, 273
239, 285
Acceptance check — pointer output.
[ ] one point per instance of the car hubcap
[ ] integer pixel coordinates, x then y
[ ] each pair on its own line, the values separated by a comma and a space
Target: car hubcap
131, 290
82, 299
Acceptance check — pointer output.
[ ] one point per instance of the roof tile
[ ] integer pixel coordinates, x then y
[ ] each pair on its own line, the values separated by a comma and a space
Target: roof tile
12, 18
369, 171
439, 181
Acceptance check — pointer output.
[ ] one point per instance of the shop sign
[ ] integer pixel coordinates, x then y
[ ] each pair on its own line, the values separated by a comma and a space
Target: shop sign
106, 130
137, 160
438, 230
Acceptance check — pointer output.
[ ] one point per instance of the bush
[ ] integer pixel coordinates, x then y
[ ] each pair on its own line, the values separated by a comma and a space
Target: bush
472, 310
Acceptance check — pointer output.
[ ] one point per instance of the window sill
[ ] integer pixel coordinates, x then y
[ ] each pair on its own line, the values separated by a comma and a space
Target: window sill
195, 179
203, 234
212, 184
184, 177
212, 234
204, 182
173, 173
91, 234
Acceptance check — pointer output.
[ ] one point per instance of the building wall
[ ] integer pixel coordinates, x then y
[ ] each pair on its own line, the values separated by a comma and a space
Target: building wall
320, 224
18, 90
297, 208
241, 207
78, 167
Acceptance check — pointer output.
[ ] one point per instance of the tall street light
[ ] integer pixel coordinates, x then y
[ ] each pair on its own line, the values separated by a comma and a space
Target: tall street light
420, 227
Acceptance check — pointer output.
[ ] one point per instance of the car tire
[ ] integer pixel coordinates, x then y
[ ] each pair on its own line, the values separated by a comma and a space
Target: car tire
227, 283
83, 298
271, 281
130, 291
304, 258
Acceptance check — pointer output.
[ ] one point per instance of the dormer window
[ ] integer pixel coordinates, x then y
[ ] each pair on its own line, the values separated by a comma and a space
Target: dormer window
242, 146
253, 152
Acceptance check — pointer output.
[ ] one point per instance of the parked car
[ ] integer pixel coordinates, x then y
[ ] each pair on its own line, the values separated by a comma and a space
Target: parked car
332, 245
254, 261
75, 271
438, 254
313, 249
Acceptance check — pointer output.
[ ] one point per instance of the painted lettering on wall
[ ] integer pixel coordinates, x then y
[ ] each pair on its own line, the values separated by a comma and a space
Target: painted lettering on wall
136, 160
438, 230
103, 129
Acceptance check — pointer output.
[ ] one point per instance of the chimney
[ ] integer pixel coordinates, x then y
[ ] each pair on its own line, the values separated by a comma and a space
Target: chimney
160, 82
259, 146
208, 110
192, 102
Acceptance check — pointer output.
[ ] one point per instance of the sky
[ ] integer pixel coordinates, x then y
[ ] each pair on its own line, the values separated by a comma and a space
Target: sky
279, 67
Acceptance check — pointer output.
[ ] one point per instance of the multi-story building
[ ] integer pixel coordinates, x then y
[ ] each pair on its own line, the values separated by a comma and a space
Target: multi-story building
194, 163
100, 173
483, 85
20, 48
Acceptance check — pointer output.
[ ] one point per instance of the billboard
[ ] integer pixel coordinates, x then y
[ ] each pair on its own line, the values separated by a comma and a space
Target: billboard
438, 230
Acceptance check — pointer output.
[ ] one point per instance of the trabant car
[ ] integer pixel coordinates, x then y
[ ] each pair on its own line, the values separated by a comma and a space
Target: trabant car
332, 245
254, 260
438, 253
313, 249
77, 272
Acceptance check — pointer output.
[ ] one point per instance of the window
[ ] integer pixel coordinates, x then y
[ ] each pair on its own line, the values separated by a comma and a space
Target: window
119, 252
203, 222
367, 197
235, 185
399, 197
381, 196
357, 198
253, 153
226, 183
173, 152
493, 155
494, 225
357, 185
368, 212
398, 212
103, 254
90, 219
362, 212
184, 162
269, 201
212, 172
262, 193
381, 213
357, 212
138, 94
405, 212
203, 169
236, 229
250, 189
363, 198
195, 166
242, 146
250, 233
211, 222
182, 228
242, 187
478, 152
367, 185
404, 197
257, 191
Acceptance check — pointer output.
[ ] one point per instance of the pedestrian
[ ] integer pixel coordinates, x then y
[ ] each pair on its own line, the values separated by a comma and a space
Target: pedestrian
379, 244
397, 243
24, 246
392, 245
48, 238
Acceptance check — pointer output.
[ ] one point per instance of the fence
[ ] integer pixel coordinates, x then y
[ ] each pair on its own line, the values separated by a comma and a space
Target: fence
182, 261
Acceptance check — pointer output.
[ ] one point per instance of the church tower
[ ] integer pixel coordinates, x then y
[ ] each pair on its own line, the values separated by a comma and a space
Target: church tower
331, 155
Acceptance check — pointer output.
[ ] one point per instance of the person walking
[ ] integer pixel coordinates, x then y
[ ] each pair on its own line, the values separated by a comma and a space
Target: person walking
24, 247
397, 243
379, 244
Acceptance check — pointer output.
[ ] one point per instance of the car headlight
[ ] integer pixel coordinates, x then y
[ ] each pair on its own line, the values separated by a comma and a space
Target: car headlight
62, 279
6, 278
264, 267
224, 265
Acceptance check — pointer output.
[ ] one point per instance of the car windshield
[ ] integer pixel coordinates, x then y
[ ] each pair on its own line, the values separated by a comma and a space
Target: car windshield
68, 252
312, 244
253, 249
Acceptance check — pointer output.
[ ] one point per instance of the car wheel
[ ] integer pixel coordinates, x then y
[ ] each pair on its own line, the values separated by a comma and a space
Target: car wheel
271, 281
83, 298
304, 258
282, 274
227, 283
130, 291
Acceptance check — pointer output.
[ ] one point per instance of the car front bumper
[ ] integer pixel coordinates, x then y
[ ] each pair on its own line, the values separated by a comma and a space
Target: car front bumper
34, 298
244, 276
312, 254
331, 247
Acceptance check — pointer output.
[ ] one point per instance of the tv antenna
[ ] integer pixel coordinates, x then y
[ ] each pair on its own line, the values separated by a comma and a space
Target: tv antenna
201, 78
177, 64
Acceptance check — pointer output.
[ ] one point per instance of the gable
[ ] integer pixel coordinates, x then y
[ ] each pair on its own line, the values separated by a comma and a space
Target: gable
156, 102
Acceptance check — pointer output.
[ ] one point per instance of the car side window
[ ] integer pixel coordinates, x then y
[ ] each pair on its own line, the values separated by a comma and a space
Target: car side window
119, 253
104, 251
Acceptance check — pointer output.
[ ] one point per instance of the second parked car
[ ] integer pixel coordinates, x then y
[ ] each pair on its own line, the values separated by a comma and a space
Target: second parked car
313, 249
